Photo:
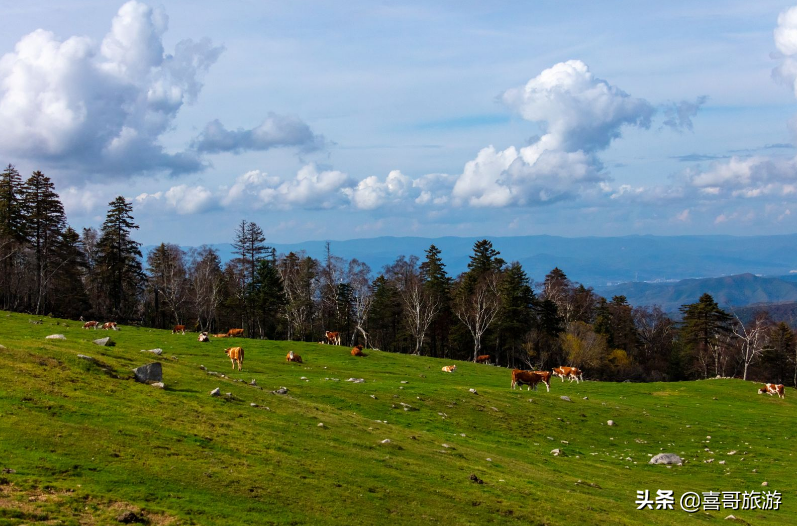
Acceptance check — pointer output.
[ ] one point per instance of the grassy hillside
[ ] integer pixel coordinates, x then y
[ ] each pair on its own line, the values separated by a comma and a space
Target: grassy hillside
86, 443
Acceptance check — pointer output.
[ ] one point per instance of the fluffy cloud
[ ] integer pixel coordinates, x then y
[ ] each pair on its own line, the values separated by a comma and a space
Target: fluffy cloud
580, 114
101, 108
311, 188
182, 199
276, 131
371, 193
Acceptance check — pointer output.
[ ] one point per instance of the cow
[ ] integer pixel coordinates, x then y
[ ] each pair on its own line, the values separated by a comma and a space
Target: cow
234, 333
333, 338
449, 368
576, 374
110, 325
528, 378
91, 325
236, 355
545, 377
484, 358
572, 373
178, 328
772, 389
221, 335
293, 357
203, 337
357, 350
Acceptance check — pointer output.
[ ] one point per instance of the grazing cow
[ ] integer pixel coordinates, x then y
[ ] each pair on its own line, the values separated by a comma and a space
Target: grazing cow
91, 325
293, 357
110, 325
484, 358
178, 328
772, 389
449, 368
528, 378
203, 337
545, 377
236, 355
358, 351
333, 338
571, 372
234, 333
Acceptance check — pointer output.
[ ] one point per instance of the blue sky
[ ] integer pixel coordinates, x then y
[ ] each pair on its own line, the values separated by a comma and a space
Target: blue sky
319, 120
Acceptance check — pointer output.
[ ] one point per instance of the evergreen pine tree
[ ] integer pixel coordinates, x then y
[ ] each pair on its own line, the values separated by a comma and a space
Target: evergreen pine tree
119, 260
44, 225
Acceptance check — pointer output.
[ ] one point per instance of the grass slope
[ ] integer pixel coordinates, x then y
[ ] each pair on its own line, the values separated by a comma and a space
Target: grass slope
86, 442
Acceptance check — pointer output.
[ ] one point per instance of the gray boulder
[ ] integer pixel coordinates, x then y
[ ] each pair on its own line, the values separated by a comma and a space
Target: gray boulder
566, 398
103, 342
55, 337
281, 391
152, 372
215, 392
156, 352
159, 385
666, 458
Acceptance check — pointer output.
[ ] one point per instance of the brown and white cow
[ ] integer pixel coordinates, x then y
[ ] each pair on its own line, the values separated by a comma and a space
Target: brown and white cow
449, 368
203, 337
545, 377
573, 373
91, 325
528, 378
221, 335
484, 358
235, 333
333, 338
110, 325
178, 328
236, 355
293, 357
357, 350
772, 389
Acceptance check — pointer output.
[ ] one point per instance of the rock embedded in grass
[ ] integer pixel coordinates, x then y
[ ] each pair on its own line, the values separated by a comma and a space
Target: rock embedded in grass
566, 398
151, 372
557, 452
215, 392
103, 342
159, 385
55, 337
666, 458
280, 391
156, 352
610, 422
84, 357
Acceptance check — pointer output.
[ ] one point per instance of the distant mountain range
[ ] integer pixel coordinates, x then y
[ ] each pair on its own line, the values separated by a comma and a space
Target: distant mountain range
729, 291
593, 261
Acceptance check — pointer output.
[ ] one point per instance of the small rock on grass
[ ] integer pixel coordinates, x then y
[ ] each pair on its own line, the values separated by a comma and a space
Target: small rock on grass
215, 392
566, 398
666, 458
610, 422
473, 391
159, 385
386, 441
474, 478
556, 452
84, 357
281, 391
55, 337
156, 352
103, 342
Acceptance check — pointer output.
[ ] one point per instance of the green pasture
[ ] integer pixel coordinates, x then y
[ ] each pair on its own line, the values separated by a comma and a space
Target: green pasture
81, 442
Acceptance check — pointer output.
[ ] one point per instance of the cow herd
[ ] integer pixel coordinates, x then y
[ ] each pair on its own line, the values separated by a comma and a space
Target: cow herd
519, 377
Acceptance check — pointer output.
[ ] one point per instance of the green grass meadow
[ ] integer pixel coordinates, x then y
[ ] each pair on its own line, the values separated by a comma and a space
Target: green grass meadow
86, 442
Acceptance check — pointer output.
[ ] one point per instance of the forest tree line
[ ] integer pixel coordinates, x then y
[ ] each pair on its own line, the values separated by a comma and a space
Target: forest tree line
410, 306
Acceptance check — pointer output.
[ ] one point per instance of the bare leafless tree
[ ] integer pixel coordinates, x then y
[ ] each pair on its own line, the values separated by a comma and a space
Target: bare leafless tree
359, 277
478, 308
420, 306
206, 284
752, 338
